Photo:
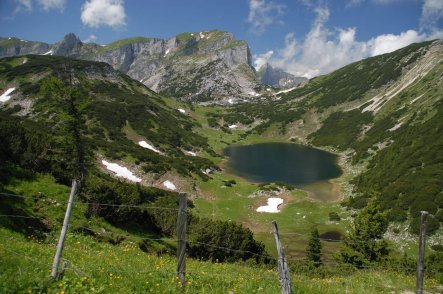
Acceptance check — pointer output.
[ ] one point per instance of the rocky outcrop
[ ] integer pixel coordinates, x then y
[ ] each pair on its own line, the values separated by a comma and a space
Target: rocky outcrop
14, 47
201, 66
139, 58
278, 78
70, 46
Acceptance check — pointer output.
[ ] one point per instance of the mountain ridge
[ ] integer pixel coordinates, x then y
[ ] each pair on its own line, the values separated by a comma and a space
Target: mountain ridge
201, 66
278, 78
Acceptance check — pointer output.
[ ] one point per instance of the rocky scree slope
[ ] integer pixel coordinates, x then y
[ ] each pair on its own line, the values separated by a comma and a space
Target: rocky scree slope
201, 66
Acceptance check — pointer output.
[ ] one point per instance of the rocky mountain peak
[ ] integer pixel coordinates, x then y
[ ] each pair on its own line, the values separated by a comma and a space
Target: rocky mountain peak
201, 66
265, 67
69, 46
277, 77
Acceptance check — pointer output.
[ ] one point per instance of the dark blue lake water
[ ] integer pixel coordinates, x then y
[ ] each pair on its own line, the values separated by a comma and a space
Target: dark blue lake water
282, 162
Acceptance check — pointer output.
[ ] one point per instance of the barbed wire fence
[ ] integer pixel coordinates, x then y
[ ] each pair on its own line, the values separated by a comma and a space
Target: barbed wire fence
183, 243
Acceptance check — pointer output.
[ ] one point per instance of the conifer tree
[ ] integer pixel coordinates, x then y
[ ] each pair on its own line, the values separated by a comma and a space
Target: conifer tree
313, 252
365, 243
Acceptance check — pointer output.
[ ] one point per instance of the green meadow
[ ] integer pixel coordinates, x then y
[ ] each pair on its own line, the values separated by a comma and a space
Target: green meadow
96, 267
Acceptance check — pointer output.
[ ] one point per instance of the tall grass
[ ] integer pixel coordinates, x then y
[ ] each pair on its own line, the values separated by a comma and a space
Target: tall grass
95, 267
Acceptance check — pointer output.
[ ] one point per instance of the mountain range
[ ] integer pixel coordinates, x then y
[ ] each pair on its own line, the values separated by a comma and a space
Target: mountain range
200, 66
275, 77
76, 110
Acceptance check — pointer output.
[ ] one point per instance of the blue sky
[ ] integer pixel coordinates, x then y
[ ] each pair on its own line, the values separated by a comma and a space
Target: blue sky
304, 37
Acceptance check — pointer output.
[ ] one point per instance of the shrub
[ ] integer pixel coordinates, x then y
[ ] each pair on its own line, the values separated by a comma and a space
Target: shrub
397, 214
208, 240
432, 225
333, 216
439, 215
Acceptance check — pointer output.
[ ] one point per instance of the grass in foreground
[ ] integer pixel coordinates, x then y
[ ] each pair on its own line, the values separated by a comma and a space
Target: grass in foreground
103, 268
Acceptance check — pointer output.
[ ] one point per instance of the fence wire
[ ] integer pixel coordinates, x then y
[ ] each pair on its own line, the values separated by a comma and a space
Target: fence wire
82, 270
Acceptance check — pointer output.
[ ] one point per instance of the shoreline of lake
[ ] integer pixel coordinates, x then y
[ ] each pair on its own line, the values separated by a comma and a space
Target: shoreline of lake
325, 190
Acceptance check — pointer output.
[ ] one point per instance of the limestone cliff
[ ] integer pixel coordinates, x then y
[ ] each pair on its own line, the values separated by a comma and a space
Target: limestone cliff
202, 66
278, 78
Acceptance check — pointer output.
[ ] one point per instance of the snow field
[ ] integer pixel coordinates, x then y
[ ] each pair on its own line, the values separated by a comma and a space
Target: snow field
6, 96
146, 145
121, 171
272, 206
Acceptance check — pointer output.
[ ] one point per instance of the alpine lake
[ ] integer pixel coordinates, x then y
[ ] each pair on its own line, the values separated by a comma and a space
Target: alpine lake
301, 166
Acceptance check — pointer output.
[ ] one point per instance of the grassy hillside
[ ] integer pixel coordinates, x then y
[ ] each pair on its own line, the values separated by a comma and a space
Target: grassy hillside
107, 258
110, 111
104, 268
78, 113
381, 115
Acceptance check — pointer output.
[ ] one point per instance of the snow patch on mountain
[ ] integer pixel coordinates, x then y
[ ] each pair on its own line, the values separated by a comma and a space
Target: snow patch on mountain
6, 96
121, 171
286, 91
168, 184
396, 127
272, 207
146, 145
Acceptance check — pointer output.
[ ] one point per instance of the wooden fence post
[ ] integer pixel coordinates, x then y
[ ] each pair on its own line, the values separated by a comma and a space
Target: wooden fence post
61, 240
421, 252
285, 278
181, 239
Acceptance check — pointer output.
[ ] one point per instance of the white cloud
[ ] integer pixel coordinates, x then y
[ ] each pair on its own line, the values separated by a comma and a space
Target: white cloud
355, 2
97, 13
262, 59
23, 5
263, 14
324, 50
290, 47
382, 2
52, 4
90, 39
307, 3
432, 11
389, 42
386, 1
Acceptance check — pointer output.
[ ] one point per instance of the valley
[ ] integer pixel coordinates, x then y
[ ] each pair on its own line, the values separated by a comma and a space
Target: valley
379, 120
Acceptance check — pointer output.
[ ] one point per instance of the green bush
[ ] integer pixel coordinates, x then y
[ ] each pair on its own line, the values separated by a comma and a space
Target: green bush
333, 216
432, 225
439, 215
397, 214
224, 242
